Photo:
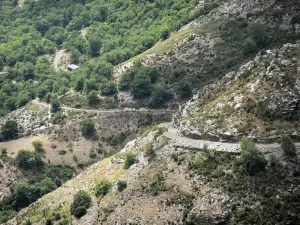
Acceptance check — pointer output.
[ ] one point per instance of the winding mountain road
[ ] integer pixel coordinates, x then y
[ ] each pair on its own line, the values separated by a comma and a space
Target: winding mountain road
180, 141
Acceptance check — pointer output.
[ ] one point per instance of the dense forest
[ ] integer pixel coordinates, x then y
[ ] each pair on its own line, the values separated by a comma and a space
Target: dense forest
117, 30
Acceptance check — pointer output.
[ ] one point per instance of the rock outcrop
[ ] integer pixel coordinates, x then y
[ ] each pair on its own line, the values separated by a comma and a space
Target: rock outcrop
261, 100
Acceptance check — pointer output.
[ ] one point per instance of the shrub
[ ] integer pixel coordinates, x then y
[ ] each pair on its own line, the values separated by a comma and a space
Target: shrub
121, 185
88, 128
55, 106
249, 46
93, 155
82, 201
3, 152
165, 33
38, 146
102, 188
129, 160
28, 160
9, 130
80, 211
159, 96
184, 89
252, 159
288, 146
108, 88
93, 98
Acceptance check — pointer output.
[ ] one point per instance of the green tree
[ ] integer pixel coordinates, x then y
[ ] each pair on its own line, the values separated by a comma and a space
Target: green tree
165, 33
88, 128
55, 106
159, 96
81, 202
93, 98
141, 86
79, 84
38, 146
102, 188
288, 146
249, 46
130, 159
253, 160
9, 130
184, 89
28, 160
121, 185
1, 64
108, 88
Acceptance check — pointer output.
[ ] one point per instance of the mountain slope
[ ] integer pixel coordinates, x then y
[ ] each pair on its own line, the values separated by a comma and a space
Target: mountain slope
261, 100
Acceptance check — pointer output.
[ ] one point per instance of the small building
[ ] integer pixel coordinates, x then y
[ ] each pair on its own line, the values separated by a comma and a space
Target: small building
72, 67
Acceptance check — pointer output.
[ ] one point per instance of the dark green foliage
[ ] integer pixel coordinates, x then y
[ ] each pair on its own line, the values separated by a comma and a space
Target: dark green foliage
93, 155
117, 31
141, 87
249, 46
122, 185
288, 146
165, 33
108, 88
3, 152
9, 130
38, 146
183, 89
93, 98
88, 128
62, 172
28, 160
80, 211
6, 214
253, 160
24, 194
139, 78
55, 106
130, 159
102, 188
159, 96
81, 202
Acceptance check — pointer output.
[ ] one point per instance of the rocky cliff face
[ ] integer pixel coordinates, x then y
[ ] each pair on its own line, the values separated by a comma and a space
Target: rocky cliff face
261, 100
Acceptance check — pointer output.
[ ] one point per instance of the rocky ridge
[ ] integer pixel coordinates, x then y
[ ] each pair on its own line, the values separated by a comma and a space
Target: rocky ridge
261, 100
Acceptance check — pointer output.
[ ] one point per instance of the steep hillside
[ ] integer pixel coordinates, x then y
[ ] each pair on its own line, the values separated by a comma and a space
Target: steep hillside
261, 100
169, 183
216, 43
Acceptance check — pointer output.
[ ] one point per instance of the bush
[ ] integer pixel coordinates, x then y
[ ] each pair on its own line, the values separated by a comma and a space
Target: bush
55, 106
88, 128
253, 161
93, 98
129, 160
9, 130
288, 146
80, 211
28, 160
3, 152
93, 155
249, 46
121, 185
38, 146
102, 188
108, 88
184, 89
159, 96
82, 201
